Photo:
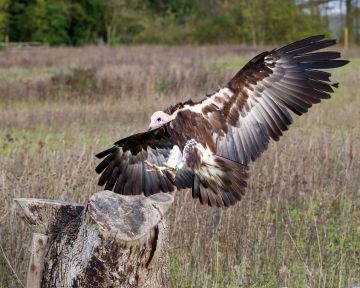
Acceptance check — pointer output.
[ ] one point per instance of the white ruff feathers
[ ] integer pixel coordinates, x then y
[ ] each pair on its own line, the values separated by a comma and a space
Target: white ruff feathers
175, 158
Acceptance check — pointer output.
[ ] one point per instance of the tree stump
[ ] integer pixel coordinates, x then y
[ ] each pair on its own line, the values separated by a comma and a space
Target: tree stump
113, 241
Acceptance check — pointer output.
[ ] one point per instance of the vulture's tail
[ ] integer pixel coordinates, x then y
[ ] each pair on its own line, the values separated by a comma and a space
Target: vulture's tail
218, 181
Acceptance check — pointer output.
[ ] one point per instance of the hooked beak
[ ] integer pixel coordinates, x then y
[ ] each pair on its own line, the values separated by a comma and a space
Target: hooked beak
151, 127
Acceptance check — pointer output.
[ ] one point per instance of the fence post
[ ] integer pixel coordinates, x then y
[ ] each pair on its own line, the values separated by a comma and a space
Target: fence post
113, 241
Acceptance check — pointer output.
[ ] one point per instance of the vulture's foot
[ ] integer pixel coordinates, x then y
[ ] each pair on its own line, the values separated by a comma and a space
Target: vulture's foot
172, 172
154, 168
162, 170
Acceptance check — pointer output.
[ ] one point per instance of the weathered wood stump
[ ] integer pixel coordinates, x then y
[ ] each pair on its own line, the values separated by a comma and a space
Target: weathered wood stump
113, 241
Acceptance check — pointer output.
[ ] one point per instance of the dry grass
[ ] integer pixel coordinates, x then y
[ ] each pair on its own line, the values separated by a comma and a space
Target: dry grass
299, 224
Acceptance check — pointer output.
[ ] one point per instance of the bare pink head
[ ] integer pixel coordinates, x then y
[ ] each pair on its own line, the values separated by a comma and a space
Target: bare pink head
158, 119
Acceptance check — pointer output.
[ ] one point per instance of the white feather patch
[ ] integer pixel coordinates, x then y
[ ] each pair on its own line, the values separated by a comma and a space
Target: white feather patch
209, 168
175, 157
224, 93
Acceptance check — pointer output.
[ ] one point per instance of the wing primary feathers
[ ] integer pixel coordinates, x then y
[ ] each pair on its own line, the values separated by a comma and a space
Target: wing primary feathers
106, 152
301, 43
106, 174
317, 56
250, 141
112, 179
328, 64
104, 163
313, 47
240, 149
257, 147
318, 75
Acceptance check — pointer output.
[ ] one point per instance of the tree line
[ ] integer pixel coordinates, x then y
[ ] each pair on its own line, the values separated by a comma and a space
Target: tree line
80, 22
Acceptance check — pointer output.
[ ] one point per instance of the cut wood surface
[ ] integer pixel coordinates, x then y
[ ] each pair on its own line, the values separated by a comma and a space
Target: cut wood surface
113, 241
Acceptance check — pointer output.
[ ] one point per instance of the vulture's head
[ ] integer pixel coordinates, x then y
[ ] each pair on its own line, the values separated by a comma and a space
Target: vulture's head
158, 119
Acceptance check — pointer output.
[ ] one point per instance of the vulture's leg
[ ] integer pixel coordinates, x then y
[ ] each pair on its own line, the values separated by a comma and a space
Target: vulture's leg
171, 167
164, 171
173, 171
155, 168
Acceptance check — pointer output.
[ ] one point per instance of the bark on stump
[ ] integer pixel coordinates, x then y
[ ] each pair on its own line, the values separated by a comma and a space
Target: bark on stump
113, 241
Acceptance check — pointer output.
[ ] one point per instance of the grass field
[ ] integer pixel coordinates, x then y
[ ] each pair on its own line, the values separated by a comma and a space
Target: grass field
299, 224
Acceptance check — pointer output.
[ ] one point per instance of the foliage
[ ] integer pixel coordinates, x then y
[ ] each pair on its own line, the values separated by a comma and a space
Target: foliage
52, 21
50, 26
4, 4
79, 22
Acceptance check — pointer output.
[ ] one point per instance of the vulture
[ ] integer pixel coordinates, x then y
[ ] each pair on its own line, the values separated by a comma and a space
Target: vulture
208, 145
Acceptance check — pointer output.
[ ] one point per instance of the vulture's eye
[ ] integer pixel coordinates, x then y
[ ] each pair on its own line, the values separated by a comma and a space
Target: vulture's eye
158, 119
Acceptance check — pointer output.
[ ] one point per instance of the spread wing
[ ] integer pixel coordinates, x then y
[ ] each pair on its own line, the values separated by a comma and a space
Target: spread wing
123, 169
254, 106
236, 123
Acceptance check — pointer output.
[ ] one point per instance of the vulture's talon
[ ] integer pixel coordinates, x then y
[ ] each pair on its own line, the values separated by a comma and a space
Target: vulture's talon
154, 168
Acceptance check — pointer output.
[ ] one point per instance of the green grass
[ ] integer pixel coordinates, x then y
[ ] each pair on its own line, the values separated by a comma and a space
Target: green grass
31, 140
309, 243
15, 74
231, 64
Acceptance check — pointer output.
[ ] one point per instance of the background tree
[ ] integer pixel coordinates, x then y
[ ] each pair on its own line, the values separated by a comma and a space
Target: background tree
4, 18
50, 22
79, 22
20, 20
